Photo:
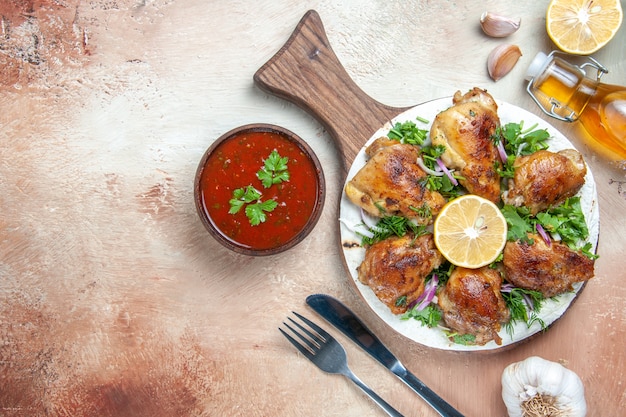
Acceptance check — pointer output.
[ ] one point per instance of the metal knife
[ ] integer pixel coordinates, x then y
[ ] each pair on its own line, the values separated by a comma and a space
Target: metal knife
337, 314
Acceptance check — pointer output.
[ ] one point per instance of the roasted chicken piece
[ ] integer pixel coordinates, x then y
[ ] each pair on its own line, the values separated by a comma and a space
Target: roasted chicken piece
466, 130
549, 269
545, 179
395, 269
391, 183
472, 303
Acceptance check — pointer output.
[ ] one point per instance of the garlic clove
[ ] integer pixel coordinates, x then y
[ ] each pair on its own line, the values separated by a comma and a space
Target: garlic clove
502, 59
499, 26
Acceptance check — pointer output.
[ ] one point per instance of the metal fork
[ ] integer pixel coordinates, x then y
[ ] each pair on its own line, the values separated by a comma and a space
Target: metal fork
325, 352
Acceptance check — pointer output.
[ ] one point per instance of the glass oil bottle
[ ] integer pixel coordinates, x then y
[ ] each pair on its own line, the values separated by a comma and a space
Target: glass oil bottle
565, 91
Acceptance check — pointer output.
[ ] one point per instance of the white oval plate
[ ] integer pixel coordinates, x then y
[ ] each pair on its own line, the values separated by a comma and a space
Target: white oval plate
354, 254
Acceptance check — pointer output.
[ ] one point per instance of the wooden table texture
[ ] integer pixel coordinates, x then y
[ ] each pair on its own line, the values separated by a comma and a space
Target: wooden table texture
115, 301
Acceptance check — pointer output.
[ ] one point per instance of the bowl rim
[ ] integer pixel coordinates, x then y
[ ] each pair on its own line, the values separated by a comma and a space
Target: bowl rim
319, 201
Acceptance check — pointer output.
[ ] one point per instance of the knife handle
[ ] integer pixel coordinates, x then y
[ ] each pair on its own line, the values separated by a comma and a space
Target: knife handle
436, 402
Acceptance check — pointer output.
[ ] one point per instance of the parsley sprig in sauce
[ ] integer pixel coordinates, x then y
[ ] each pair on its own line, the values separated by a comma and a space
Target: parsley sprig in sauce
274, 171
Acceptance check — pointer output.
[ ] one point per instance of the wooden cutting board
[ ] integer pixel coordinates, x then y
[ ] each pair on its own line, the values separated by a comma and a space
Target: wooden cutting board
307, 72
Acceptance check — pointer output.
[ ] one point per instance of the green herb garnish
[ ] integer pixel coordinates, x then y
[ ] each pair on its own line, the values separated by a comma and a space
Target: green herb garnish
523, 142
401, 301
408, 132
566, 221
274, 170
519, 223
392, 226
463, 339
441, 184
255, 210
518, 142
430, 316
520, 301
243, 196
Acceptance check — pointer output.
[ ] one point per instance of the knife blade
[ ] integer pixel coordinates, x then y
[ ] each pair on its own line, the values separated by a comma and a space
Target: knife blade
340, 316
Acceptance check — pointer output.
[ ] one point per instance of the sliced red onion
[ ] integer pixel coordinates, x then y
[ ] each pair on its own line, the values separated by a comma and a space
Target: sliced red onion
508, 288
369, 220
420, 163
447, 172
430, 290
502, 151
528, 301
543, 234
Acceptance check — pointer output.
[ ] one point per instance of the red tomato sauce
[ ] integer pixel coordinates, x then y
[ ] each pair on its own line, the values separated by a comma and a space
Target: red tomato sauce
234, 164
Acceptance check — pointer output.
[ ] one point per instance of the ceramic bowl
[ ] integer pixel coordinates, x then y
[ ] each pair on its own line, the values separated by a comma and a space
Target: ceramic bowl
240, 175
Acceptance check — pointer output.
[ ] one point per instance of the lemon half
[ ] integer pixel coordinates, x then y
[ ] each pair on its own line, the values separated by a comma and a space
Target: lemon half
470, 231
582, 27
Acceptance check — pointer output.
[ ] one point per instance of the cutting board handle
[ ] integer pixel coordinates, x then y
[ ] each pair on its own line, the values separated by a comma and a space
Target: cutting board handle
306, 72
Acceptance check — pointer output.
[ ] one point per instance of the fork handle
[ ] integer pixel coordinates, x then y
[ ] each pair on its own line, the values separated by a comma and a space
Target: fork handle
377, 399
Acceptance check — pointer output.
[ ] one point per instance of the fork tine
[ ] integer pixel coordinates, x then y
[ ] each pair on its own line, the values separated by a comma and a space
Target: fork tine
306, 352
316, 338
313, 341
314, 326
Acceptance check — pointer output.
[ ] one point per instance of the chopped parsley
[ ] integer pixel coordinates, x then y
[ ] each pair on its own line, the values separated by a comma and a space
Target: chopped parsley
519, 223
518, 142
442, 184
566, 221
408, 132
463, 339
430, 316
392, 226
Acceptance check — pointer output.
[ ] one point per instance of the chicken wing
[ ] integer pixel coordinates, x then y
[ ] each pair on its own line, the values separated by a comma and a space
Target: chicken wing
391, 183
545, 179
395, 269
549, 269
472, 303
466, 130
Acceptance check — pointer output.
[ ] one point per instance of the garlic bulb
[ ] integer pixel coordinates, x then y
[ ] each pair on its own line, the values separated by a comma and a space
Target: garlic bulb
499, 26
502, 59
536, 387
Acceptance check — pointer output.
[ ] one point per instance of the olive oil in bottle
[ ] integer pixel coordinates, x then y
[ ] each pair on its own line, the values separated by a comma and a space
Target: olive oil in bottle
565, 92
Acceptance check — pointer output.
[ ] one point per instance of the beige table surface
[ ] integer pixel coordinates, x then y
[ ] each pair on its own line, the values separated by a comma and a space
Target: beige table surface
114, 301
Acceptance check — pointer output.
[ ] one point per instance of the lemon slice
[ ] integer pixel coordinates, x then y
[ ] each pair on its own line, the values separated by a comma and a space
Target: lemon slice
583, 26
470, 231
